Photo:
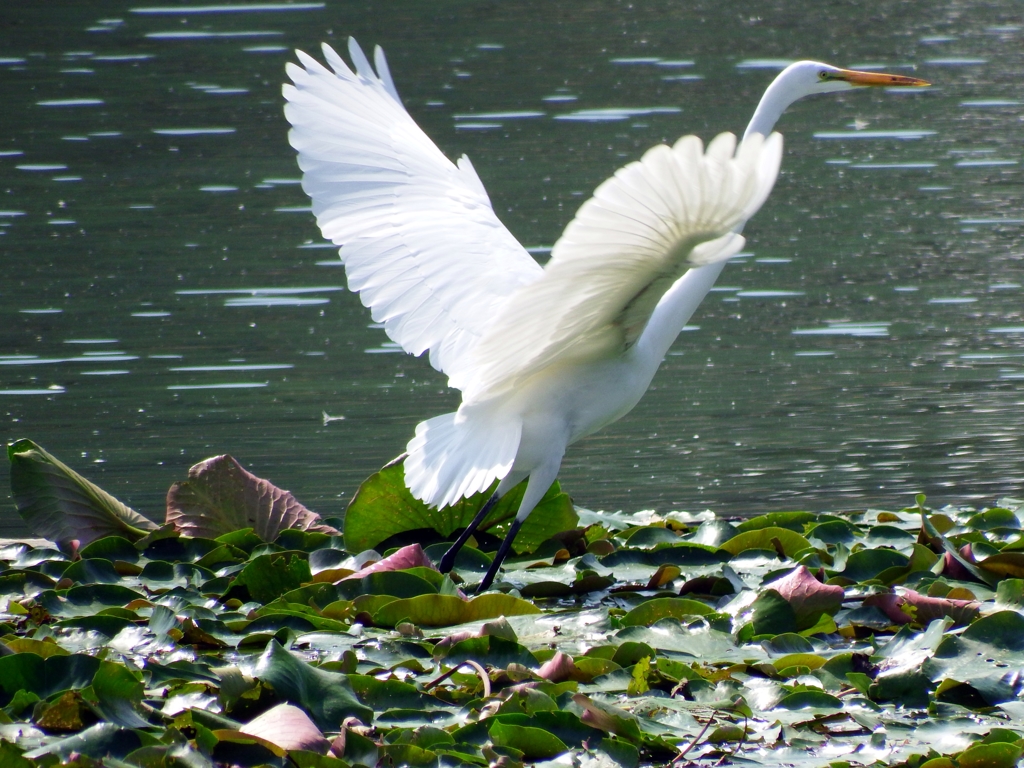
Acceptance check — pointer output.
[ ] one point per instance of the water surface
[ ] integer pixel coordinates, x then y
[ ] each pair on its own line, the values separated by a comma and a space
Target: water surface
166, 295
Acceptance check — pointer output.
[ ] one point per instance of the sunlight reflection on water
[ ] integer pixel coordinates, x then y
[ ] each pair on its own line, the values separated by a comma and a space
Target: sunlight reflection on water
867, 345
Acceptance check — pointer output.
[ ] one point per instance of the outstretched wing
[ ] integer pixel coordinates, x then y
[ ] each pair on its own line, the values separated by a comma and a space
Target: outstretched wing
419, 238
643, 228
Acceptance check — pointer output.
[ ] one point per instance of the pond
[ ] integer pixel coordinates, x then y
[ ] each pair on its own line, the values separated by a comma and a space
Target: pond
165, 295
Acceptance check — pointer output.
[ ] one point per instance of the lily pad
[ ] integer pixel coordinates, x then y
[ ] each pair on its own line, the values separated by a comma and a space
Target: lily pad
326, 696
651, 611
448, 610
59, 504
220, 497
782, 540
383, 507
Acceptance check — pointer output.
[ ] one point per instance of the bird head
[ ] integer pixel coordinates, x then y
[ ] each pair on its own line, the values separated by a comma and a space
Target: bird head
806, 78
816, 77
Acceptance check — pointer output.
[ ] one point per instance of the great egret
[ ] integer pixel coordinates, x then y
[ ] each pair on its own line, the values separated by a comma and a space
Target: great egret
543, 356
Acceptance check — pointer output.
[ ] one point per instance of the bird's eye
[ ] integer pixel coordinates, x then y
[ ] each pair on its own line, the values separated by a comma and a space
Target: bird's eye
823, 74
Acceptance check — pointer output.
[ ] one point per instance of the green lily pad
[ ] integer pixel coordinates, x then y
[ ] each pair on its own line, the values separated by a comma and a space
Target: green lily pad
397, 583
45, 677
534, 743
328, 697
59, 504
383, 507
269, 576
448, 610
866, 564
651, 611
998, 755
810, 700
770, 538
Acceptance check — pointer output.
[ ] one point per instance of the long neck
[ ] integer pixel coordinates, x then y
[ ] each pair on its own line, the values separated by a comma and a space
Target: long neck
780, 94
682, 299
675, 308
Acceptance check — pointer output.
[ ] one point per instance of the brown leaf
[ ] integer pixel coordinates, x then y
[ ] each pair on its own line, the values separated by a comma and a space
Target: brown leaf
66, 715
912, 607
808, 597
288, 727
220, 496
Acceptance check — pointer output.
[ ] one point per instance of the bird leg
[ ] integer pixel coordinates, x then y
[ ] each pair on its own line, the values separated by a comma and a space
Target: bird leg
448, 560
540, 480
499, 556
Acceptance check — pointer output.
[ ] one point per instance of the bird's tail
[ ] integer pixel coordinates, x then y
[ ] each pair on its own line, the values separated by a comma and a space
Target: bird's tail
459, 454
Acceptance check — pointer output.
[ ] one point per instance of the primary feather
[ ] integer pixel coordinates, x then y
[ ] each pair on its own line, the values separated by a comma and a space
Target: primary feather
419, 238
655, 218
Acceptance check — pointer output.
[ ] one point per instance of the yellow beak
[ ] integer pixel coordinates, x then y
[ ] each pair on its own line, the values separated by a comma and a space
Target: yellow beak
857, 77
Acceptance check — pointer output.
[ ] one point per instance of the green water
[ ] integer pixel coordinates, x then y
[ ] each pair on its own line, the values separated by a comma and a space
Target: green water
154, 244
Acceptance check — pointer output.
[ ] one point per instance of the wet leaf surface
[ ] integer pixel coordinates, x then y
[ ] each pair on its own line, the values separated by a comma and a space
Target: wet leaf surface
867, 638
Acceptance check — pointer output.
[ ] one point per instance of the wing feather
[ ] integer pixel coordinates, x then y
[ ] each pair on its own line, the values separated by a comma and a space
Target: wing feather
420, 240
675, 208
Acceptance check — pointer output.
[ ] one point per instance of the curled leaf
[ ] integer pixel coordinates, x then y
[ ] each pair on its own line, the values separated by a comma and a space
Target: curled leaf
411, 556
909, 606
220, 496
808, 597
559, 668
59, 504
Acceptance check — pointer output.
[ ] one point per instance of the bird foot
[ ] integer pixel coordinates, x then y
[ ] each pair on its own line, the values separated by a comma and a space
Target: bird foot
447, 561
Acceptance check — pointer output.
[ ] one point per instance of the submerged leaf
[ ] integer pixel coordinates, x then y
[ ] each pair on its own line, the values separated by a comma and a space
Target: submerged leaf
59, 504
220, 497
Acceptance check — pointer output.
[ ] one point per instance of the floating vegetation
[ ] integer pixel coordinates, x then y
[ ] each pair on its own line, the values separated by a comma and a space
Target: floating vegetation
247, 631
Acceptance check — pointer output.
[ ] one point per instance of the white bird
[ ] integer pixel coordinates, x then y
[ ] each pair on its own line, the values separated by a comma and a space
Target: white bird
543, 356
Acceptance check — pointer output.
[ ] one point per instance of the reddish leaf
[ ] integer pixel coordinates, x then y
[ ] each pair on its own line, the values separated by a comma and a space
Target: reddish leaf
808, 597
955, 569
559, 668
910, 606
445, 643
411, 556
497, 628
288, 727
220, 497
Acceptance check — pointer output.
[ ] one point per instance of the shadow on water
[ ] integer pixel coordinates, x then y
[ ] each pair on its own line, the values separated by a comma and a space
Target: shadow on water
166, 295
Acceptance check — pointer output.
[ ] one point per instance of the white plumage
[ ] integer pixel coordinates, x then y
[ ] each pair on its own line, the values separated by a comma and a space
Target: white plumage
643, 228
423, 247
543, 356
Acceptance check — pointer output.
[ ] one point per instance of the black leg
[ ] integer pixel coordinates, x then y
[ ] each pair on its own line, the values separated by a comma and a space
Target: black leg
499, 556
448, 561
